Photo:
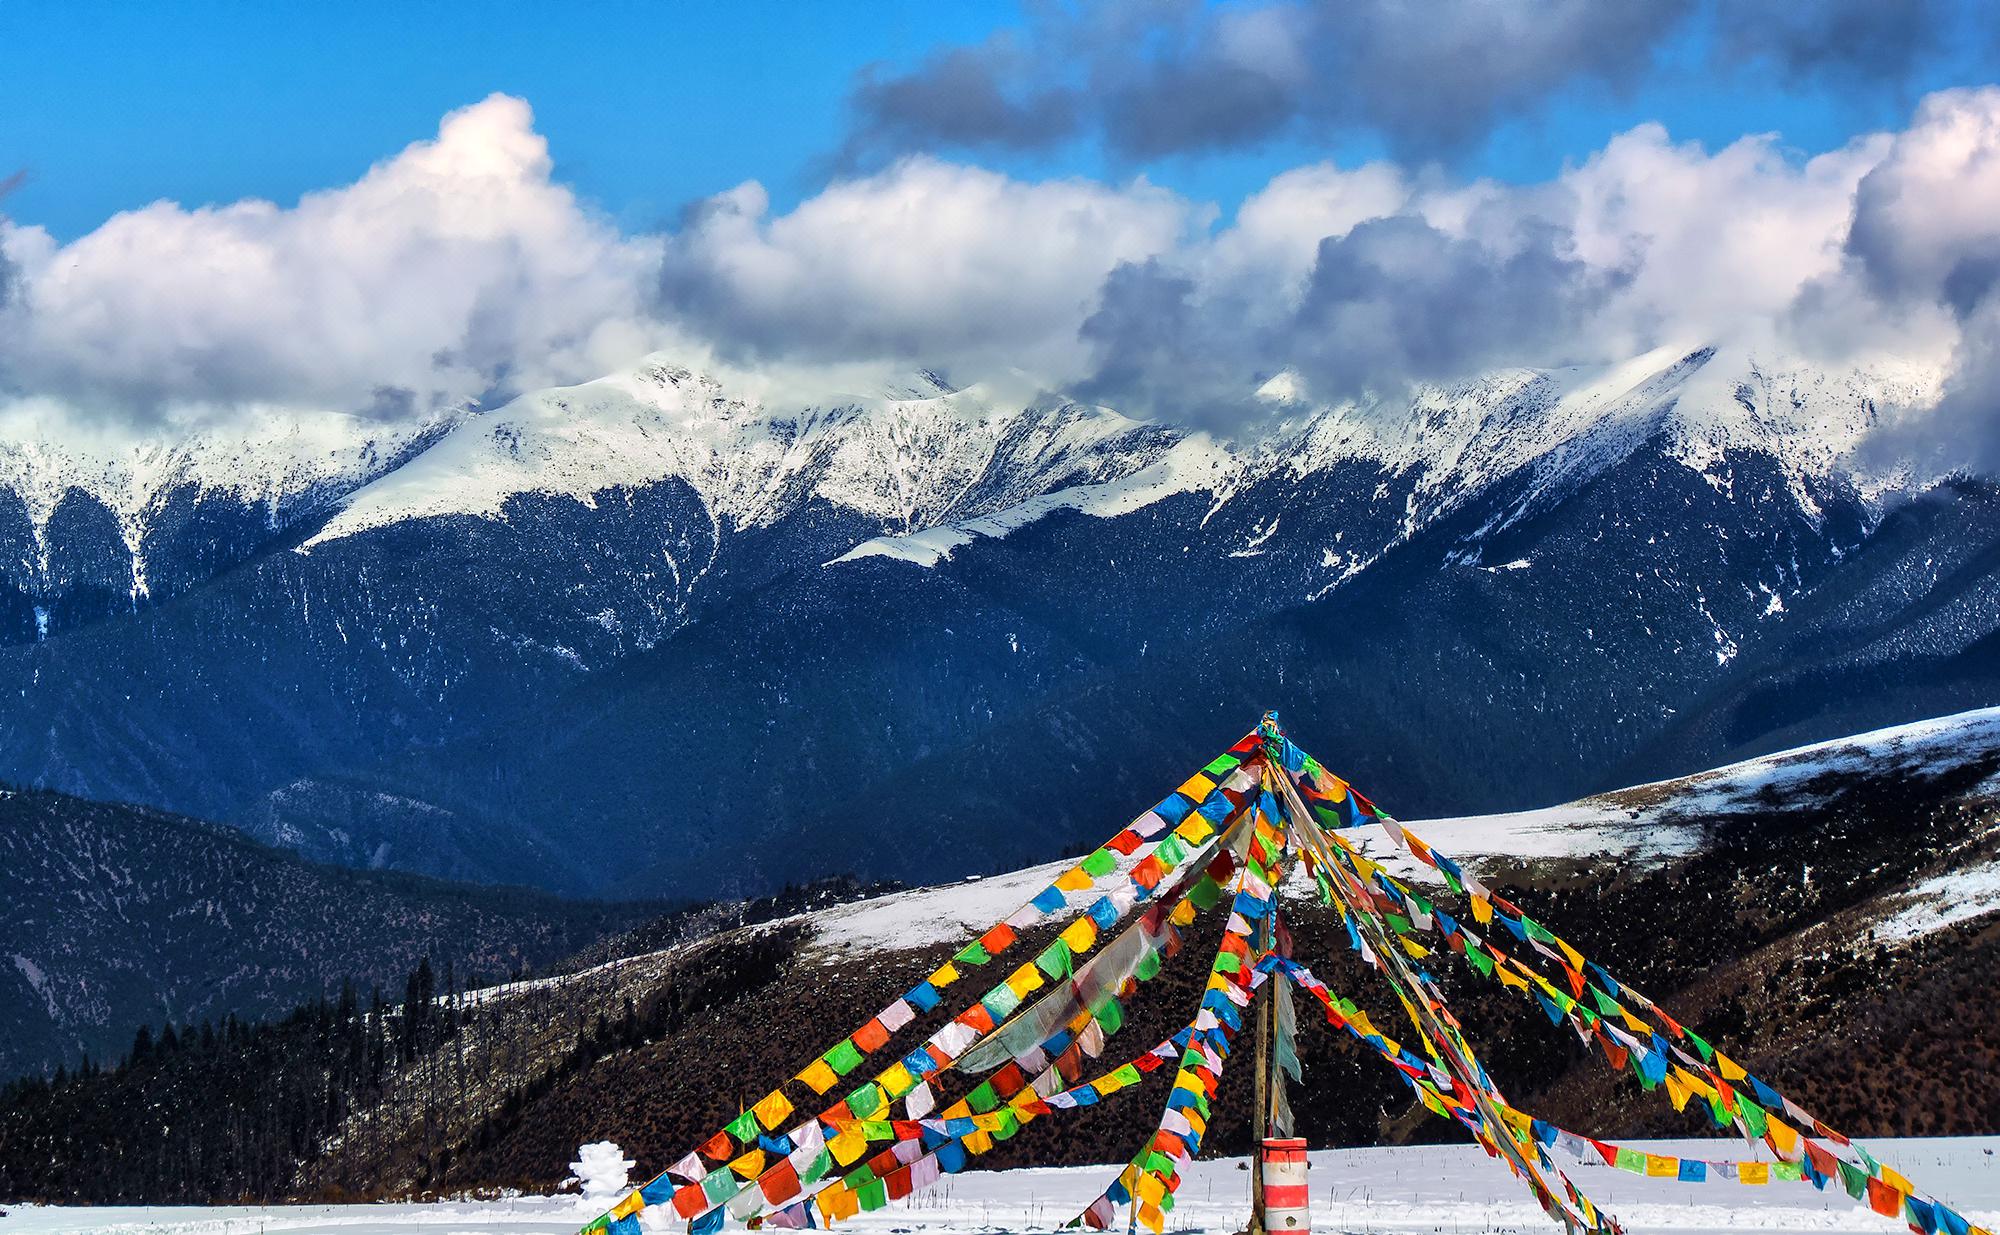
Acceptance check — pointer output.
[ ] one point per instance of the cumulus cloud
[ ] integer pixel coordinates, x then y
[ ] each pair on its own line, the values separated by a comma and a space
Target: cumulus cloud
453, 269
1147, 78
953, 265
1369, 279
1922, 261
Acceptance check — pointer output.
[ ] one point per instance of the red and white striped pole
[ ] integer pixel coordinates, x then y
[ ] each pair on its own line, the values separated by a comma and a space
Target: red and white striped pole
1287, 1201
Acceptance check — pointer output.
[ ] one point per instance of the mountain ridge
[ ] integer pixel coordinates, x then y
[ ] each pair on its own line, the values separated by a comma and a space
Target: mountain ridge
585, 595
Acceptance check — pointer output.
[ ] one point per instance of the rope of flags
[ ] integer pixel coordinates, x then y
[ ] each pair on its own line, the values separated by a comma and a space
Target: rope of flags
1227, 835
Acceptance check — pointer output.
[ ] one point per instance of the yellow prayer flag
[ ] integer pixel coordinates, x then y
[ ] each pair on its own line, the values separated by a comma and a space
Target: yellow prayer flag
1575, 957
1730, 1069
1895, 1179
1677, 1092
943, 976
1482, 910
1075, 879
837, 1201
1080, 935
978, 1142
627, 1207
750, 1165
1152, 1219
1183, 913
1024, 980
1632, 1022
1413, 947
819, 1076
1783, 1137
1195, 829
1197, 786
1753, 1172
1509, 977
1660, 1167
896, 1080
771, 1111
1151, 1188
848, 1145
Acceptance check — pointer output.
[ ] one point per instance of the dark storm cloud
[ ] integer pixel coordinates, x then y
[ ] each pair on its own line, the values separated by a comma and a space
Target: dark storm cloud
1158, 77
1392, 302
972, 97
1837, 38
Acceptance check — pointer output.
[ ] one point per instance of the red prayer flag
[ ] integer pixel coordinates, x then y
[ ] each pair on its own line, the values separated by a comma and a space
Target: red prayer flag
871, 1037
780, 1183
1884, 1199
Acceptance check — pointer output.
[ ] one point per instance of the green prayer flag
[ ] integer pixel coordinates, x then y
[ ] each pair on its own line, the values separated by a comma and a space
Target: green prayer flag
1536, 930
1228, 962
1158, 1163
1707, 1051
873, 1195
1854, 1179
973, 953
1398, 923
1148, 968
718, 1187
743, 1127
1126, 1075
1219, 765
1753, 1115
1788, 1170
865, 1101
1111, 1016
860, 1177
1605, 1003
1100, 863
1171, 851
1205, 892
1480, 961
982, 1099
1009, 1122
843, 1058
1000, 1002
1054, 960
1631, 1160
816, 1169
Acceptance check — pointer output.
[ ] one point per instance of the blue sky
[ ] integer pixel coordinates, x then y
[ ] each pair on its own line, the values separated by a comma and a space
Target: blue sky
650, 106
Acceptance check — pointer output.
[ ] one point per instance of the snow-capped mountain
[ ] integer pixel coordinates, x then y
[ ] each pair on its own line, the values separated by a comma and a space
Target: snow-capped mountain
607, 610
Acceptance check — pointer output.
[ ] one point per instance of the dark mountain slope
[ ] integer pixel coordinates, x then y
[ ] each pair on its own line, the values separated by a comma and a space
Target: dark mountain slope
116, 916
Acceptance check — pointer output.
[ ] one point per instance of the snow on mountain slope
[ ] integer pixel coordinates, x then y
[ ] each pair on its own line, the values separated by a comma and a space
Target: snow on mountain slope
1194, 464
905, 462
1663, 819
1561, 426
936, 467
281, 462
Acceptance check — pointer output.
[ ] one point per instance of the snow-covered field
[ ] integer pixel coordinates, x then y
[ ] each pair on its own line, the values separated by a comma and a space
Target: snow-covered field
1446, 1190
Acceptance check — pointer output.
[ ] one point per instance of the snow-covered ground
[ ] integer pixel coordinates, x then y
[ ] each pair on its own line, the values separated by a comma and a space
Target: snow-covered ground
1422, 1190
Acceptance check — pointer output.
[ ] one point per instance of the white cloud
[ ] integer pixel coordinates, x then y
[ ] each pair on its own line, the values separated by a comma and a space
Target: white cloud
450, 268
926, 261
